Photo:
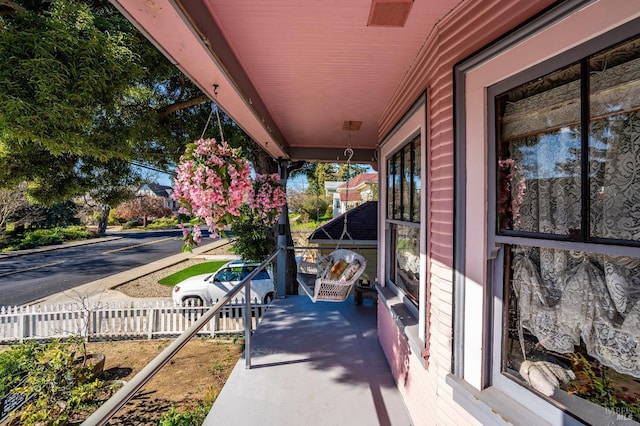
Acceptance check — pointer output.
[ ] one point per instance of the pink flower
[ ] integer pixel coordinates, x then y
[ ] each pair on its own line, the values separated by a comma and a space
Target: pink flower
511, 193
213, 183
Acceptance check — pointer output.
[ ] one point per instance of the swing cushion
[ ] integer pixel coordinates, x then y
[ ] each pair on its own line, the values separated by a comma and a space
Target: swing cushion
337, 273
337, 270
349, 271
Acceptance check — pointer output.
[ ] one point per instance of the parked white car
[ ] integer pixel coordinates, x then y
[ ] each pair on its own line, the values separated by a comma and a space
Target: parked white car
207, 289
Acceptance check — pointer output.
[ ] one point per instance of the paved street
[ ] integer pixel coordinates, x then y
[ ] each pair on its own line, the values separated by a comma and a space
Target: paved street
30, 277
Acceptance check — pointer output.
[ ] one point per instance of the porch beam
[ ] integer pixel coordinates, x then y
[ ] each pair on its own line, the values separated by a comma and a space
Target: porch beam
199, 17
333, 155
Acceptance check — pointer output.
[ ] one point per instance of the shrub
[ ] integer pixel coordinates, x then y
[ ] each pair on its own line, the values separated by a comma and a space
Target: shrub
313, 207
113, 219
41, 237
62, 390
190, 417
252, 241
73, 233
44, 237
10, 370
163, 223
131, 224
329, 210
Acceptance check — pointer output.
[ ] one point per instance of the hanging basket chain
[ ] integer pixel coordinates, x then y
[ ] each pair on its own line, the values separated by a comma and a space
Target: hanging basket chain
207, 124
214, 106
215, 101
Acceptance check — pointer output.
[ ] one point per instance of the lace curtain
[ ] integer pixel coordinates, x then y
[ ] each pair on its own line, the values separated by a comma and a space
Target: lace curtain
568, 296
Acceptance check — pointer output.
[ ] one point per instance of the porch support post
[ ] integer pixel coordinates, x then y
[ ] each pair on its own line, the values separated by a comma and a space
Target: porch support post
281, 259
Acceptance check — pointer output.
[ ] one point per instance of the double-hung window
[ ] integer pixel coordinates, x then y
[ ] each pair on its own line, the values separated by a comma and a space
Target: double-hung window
403, 218
566, 174
402, 259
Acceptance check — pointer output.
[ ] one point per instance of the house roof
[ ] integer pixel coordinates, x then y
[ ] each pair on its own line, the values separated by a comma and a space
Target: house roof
332, 185
303, 78
359, 181
157, 189
350, 190
350, 196
361, 225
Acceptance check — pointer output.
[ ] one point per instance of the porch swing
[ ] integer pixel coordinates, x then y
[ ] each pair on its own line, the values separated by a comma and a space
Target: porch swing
335, 274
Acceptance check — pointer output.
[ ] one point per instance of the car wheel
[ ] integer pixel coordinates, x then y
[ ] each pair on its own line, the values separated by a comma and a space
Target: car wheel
268, 298
190, 305
192, 301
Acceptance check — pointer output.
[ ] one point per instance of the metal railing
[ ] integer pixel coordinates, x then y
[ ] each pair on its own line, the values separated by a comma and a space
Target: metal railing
102, 415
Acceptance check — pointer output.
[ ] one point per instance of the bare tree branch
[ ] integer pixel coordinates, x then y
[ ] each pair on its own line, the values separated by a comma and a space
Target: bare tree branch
12, 5
182, 105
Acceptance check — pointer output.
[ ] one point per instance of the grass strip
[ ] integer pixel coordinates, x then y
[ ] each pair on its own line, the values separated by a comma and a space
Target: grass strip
200, 268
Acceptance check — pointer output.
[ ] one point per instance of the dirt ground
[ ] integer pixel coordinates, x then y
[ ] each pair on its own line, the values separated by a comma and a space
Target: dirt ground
199, 369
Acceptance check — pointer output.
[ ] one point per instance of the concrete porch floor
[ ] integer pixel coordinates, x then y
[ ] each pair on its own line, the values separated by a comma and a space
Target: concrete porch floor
312, 364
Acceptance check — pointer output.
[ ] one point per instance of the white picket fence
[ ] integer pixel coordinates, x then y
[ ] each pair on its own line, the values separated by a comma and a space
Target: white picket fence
117, 321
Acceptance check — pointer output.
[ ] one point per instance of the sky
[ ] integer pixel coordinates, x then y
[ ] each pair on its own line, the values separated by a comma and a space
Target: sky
298, 183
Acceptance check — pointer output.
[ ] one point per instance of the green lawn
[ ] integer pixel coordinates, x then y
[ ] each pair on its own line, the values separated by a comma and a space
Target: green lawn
308, 226
201, 268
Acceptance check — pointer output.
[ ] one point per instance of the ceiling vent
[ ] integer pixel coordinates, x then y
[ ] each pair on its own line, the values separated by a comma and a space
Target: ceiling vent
352, 125
389, 13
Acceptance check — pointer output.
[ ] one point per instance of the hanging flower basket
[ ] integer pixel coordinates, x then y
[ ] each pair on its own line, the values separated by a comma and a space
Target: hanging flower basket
214, 184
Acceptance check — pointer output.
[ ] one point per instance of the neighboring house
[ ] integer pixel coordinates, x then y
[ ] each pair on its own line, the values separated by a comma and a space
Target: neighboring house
330, 188
360, 234
157, 190
354, 192
506, 138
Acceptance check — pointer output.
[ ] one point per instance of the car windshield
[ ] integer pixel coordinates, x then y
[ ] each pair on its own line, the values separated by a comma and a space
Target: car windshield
237, 273
229, 274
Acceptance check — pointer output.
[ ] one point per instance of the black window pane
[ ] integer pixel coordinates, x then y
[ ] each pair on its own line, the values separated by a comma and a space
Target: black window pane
614, 143
417, 182
397, 194
406, 260
577, 312
539, 156
407, 179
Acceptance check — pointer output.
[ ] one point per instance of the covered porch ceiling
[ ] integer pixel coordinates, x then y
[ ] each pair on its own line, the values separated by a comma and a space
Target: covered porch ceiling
295, 74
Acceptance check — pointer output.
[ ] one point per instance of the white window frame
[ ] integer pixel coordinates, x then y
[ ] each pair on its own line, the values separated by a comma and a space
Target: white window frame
414, 325
478, 326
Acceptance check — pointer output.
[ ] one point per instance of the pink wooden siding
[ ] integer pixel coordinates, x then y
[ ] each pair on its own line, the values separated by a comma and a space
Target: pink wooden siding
469, 27
423, 393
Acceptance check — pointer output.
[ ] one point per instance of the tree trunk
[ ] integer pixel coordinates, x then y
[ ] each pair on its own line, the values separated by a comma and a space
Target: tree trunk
292, 268
104, 219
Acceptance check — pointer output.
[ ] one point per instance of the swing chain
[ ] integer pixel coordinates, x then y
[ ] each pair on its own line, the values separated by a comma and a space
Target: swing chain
348, 153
